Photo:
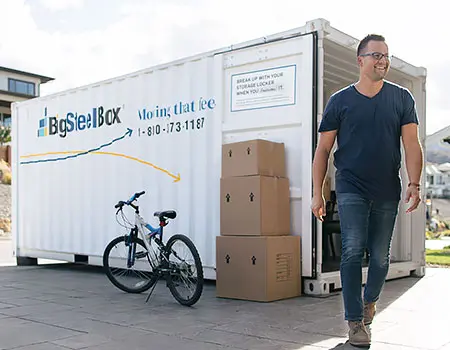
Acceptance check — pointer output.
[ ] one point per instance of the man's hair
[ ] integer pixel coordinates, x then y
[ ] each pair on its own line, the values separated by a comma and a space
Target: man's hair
363, 43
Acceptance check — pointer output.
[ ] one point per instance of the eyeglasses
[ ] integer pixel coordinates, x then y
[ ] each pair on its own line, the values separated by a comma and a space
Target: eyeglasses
377, 55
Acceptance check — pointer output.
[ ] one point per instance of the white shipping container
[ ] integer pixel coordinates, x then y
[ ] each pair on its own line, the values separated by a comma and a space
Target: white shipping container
180, 114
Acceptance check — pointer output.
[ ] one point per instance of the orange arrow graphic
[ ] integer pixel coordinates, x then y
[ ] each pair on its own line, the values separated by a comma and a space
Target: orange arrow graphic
175, 177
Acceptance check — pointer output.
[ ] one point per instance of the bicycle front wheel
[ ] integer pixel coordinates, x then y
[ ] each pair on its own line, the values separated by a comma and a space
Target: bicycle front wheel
185, 279
135, 279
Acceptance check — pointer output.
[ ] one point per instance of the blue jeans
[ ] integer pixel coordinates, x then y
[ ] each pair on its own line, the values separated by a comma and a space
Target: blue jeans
364, 223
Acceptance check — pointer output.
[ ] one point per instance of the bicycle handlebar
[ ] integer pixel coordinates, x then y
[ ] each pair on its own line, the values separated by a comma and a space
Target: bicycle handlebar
135, 196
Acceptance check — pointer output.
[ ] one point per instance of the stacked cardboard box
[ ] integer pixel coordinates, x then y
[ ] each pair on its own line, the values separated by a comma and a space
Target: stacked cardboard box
257, 258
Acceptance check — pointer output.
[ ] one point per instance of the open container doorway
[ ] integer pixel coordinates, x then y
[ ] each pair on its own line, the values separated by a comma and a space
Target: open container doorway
340, 69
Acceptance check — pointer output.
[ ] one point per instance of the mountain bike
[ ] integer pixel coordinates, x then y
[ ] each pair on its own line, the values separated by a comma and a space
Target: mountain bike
146, 255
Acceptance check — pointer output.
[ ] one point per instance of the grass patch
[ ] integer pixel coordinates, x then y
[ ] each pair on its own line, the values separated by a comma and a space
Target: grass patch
438, 257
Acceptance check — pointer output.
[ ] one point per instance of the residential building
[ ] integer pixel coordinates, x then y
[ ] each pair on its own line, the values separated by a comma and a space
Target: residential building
438, 180
438, 146
16, 86
437, 169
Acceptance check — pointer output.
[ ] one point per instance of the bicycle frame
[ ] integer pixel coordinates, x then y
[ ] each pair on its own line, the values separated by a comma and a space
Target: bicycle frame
140, 225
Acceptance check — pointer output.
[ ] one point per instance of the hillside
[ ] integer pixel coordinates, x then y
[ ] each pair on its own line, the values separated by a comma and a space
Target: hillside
438, 153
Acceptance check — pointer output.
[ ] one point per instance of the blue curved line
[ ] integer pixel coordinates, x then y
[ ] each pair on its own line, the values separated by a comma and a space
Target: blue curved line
128, 133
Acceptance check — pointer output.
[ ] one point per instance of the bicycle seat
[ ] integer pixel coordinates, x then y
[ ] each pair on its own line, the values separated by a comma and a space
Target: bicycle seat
167, 214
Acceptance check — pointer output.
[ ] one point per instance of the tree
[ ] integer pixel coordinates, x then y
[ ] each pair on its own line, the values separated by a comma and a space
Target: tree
5, 135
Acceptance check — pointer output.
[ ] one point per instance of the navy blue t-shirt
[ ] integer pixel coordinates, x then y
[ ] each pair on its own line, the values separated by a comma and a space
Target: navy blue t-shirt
368, 157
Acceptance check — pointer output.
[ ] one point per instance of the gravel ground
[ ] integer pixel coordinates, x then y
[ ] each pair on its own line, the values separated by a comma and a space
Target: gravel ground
5, 209
5, 201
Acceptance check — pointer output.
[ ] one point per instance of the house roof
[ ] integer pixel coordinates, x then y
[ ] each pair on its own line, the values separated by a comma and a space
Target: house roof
445, 167
43, 78
432, 169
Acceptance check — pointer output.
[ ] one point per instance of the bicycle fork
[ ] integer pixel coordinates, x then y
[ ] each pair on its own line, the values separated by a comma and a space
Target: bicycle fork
131, 243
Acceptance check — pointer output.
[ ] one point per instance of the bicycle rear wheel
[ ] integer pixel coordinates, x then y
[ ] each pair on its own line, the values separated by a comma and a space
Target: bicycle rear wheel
182, 272
117, 271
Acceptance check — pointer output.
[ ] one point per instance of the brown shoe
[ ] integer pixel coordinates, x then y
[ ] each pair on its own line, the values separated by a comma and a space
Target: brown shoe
370, 310
358, 335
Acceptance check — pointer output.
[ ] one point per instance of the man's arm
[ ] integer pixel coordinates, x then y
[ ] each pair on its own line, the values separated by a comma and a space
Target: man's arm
319, 170
414, 163
413, 152
320, 162
327, 135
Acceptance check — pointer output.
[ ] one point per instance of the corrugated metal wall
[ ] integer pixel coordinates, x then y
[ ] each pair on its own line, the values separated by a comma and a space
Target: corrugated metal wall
68, 205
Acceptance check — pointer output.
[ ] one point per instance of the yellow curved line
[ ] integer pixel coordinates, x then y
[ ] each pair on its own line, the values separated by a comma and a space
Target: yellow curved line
176, 177
50, 153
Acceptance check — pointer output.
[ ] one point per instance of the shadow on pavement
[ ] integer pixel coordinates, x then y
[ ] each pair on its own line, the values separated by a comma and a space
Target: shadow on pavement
346, 345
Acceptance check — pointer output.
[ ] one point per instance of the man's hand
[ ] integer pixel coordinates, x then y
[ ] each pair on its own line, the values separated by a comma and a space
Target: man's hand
413, 195
318, 207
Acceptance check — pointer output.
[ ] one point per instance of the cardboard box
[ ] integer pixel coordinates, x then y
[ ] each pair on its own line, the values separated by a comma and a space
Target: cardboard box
254, 157
258, 268
255, 205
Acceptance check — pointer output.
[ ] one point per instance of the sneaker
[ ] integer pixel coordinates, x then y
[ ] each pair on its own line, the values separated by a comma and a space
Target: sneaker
369, 312
358, 335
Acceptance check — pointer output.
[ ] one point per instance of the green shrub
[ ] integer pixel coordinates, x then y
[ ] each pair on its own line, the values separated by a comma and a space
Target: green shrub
432, 235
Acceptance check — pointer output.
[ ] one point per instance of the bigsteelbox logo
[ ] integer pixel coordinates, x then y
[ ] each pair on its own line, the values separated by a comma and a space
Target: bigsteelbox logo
73, 121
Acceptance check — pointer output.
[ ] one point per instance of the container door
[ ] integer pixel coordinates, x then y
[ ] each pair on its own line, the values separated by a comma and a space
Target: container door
269, 94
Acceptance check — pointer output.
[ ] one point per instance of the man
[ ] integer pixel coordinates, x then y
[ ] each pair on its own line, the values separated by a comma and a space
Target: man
368, 119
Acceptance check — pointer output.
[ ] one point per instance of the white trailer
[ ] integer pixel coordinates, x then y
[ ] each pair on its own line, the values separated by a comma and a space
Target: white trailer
77, 152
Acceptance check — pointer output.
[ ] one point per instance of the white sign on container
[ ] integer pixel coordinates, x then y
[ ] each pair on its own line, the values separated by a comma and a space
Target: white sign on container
273, 87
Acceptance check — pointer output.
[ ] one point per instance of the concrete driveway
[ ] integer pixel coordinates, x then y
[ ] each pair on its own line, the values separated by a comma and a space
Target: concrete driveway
65, 306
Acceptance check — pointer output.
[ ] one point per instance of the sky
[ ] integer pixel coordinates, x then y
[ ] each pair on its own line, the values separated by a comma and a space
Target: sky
78, 42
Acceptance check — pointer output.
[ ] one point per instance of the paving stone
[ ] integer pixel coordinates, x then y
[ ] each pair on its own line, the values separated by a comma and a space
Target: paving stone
387, 346
41, 346
374, 346
264, 330
5, 305
421, 333
81, 341
243, 341
15, 332
24, 302
43, 308
11, 294
174, 324
159, 341
332, 326
70, 318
